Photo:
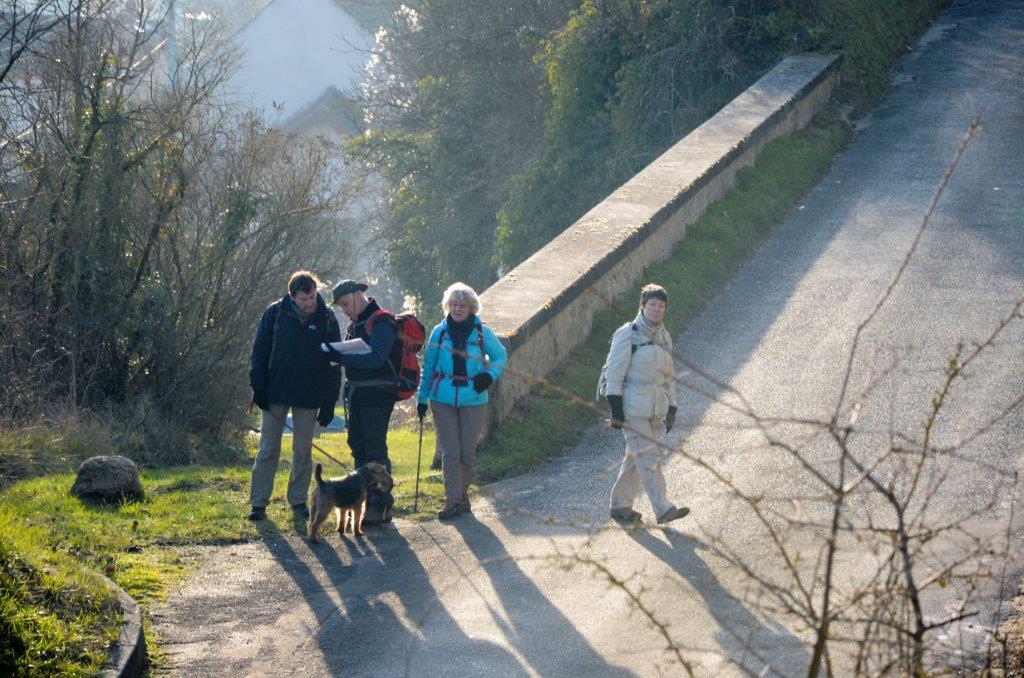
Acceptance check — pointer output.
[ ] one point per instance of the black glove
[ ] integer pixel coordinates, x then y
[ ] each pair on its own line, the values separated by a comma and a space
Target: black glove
618, 416
670, 418
332, 353
482, 382
421, 410
325, 416
260, 399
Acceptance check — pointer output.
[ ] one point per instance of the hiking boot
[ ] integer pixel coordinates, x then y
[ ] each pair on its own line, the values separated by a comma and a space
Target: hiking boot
452, 509
258, 513
300, 511
466, 507
672, 514
625, 514
375, 513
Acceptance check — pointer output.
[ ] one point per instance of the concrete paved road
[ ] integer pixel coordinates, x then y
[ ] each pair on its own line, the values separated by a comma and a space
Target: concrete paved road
508, 594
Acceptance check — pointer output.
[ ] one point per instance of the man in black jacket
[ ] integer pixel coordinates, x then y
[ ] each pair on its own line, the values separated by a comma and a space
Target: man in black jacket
289, 371
370, 386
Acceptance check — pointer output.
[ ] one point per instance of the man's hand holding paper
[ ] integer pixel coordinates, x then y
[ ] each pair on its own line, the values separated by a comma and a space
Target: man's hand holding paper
336, 349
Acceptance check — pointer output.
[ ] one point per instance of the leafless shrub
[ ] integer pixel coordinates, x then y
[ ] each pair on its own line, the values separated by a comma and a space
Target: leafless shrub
145, 223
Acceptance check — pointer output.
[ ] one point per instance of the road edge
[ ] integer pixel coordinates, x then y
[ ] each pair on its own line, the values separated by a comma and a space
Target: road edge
127, 657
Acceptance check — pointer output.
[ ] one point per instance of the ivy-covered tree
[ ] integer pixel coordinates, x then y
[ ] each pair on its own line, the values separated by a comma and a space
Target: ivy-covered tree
455, 104
497, 124
627, 79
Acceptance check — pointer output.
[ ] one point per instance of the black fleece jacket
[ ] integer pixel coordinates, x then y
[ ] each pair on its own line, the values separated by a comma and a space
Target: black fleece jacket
295, 372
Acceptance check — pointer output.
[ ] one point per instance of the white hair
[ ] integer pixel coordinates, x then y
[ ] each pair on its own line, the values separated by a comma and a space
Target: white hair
460, 292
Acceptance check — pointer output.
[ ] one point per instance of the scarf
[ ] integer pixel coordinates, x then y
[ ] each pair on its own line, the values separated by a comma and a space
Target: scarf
459, 332
649, 331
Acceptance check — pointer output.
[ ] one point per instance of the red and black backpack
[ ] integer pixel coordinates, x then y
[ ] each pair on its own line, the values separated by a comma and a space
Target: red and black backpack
404, 361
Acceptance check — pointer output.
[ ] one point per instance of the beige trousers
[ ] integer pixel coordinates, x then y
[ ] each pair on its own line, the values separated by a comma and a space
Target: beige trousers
641, 467
265, 466
458, 430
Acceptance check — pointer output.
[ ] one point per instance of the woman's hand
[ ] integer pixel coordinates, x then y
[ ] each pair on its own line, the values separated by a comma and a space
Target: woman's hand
482, 382
618, 414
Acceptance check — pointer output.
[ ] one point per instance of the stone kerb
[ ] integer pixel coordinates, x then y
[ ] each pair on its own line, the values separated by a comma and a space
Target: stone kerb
127, 658
544, 307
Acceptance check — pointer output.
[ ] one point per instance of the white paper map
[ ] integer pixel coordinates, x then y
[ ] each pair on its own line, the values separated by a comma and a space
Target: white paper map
356, 346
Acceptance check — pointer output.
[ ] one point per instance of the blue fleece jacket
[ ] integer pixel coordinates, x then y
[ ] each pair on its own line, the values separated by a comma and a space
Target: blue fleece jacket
436, 373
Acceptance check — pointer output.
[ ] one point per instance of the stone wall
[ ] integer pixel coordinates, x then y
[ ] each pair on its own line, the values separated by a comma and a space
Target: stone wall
545, 307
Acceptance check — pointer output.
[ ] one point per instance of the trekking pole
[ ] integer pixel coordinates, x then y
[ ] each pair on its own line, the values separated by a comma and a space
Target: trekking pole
419, 457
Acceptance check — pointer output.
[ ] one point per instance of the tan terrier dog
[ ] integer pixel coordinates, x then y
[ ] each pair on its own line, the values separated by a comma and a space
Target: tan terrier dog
347, 496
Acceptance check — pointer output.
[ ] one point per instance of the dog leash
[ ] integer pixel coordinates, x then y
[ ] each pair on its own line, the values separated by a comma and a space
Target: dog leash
284, 422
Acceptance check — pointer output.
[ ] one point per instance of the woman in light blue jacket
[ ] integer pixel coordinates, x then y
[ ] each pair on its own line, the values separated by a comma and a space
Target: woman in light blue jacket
463, 358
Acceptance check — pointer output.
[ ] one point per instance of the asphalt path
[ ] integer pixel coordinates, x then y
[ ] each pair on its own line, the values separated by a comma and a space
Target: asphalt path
538, 582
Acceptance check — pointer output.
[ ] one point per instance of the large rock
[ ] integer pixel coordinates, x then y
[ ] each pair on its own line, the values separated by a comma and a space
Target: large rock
109, 480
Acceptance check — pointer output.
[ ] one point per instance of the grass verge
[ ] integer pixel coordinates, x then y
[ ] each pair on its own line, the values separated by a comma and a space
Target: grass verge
714, 247
56, 616
57, 619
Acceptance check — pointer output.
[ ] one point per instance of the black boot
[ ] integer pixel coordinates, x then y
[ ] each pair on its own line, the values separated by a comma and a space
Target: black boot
378, 507
452, 509
673, 513
626, 516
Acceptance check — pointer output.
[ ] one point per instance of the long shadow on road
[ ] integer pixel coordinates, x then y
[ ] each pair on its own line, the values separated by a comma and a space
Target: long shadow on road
752, 645
358, 629
539, 631
316, 597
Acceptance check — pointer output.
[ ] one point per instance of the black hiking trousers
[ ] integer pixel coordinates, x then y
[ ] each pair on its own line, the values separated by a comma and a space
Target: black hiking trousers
368, 439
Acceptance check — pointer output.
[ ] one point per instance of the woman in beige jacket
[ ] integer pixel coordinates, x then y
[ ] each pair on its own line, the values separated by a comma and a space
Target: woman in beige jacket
639, 383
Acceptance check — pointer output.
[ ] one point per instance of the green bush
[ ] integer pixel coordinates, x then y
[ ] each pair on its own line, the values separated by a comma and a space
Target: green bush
628, 79
491, 144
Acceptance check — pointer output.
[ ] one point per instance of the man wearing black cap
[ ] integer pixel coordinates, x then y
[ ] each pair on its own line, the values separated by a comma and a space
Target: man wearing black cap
370, 388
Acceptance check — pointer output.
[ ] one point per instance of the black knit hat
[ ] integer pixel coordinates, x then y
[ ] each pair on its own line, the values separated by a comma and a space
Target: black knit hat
347, 287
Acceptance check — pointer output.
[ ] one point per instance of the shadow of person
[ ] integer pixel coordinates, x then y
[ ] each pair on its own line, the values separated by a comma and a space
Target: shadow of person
376, 610
536, 628
297, 568
749, 643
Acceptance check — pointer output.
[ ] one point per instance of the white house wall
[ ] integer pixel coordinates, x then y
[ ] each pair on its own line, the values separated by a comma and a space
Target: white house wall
293, 50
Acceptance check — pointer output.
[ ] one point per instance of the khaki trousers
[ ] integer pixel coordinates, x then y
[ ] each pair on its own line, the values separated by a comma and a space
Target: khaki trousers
458, 429
265, 466
641, 467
